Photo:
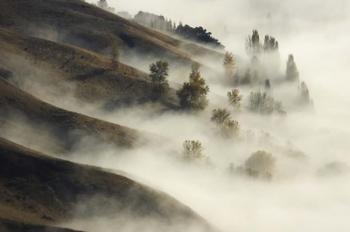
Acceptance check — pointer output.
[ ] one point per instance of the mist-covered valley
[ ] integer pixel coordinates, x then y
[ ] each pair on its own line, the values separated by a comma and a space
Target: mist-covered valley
165, 131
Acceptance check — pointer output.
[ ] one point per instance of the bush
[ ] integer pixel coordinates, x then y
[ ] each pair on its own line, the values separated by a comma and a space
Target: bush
260, 164
193, 150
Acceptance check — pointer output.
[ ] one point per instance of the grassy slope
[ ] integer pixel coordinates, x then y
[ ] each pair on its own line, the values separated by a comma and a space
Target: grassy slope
63, 124
39, 189
90, 75
80, 23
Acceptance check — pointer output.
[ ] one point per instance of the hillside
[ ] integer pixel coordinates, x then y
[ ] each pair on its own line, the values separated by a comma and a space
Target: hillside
79, 73
13, 226
64, 127
37, 189
78, 23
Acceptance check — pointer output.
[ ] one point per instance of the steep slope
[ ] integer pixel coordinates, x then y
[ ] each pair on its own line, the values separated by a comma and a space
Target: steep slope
85, 75
82, 24
37, 189
65, 127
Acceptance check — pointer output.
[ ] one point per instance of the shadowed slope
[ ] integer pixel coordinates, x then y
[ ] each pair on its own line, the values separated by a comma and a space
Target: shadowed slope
39, 189
66, 127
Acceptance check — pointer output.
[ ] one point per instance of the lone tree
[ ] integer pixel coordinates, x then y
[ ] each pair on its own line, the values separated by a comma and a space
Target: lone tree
229, 64
235, 99
260, 164
193, 150
193, 94
304, 93
158, 75
292, 73
227, 126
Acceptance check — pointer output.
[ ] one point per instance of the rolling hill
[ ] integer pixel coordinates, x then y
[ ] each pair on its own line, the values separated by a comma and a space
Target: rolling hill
65, 127
38, 189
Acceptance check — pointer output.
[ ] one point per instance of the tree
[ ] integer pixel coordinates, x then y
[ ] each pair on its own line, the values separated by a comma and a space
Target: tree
253, 45
263, 103
193, 150
227, 126
229, 64
235, 98
102, 4
158, 75
270, 44
292, 73
304, 93
260, 164
193, 94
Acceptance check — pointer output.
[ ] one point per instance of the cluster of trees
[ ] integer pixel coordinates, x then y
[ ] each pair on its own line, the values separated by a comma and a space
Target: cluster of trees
192, 95
260, 164
228, 127
103, 4
154, 21
254, 47
264, 103
198, 34
159, 22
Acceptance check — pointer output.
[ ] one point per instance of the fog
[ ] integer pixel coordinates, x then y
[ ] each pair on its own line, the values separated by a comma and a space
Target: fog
303, 195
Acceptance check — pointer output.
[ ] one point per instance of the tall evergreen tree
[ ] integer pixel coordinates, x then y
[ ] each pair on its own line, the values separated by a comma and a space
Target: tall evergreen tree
292, 73
229, 64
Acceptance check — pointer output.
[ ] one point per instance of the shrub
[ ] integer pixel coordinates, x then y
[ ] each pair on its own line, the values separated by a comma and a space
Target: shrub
260, 164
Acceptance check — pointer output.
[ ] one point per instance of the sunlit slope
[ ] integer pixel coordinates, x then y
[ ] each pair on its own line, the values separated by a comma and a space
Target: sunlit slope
64, 126
79, 23
80, 73
38, 189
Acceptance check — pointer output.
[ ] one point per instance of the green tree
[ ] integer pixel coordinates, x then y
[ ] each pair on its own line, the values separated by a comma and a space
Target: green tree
253, 45
292, 73
158, 75
235, 98
193, 94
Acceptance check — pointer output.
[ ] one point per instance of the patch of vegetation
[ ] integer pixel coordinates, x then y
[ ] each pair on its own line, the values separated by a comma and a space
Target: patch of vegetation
263, 103
228, 127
